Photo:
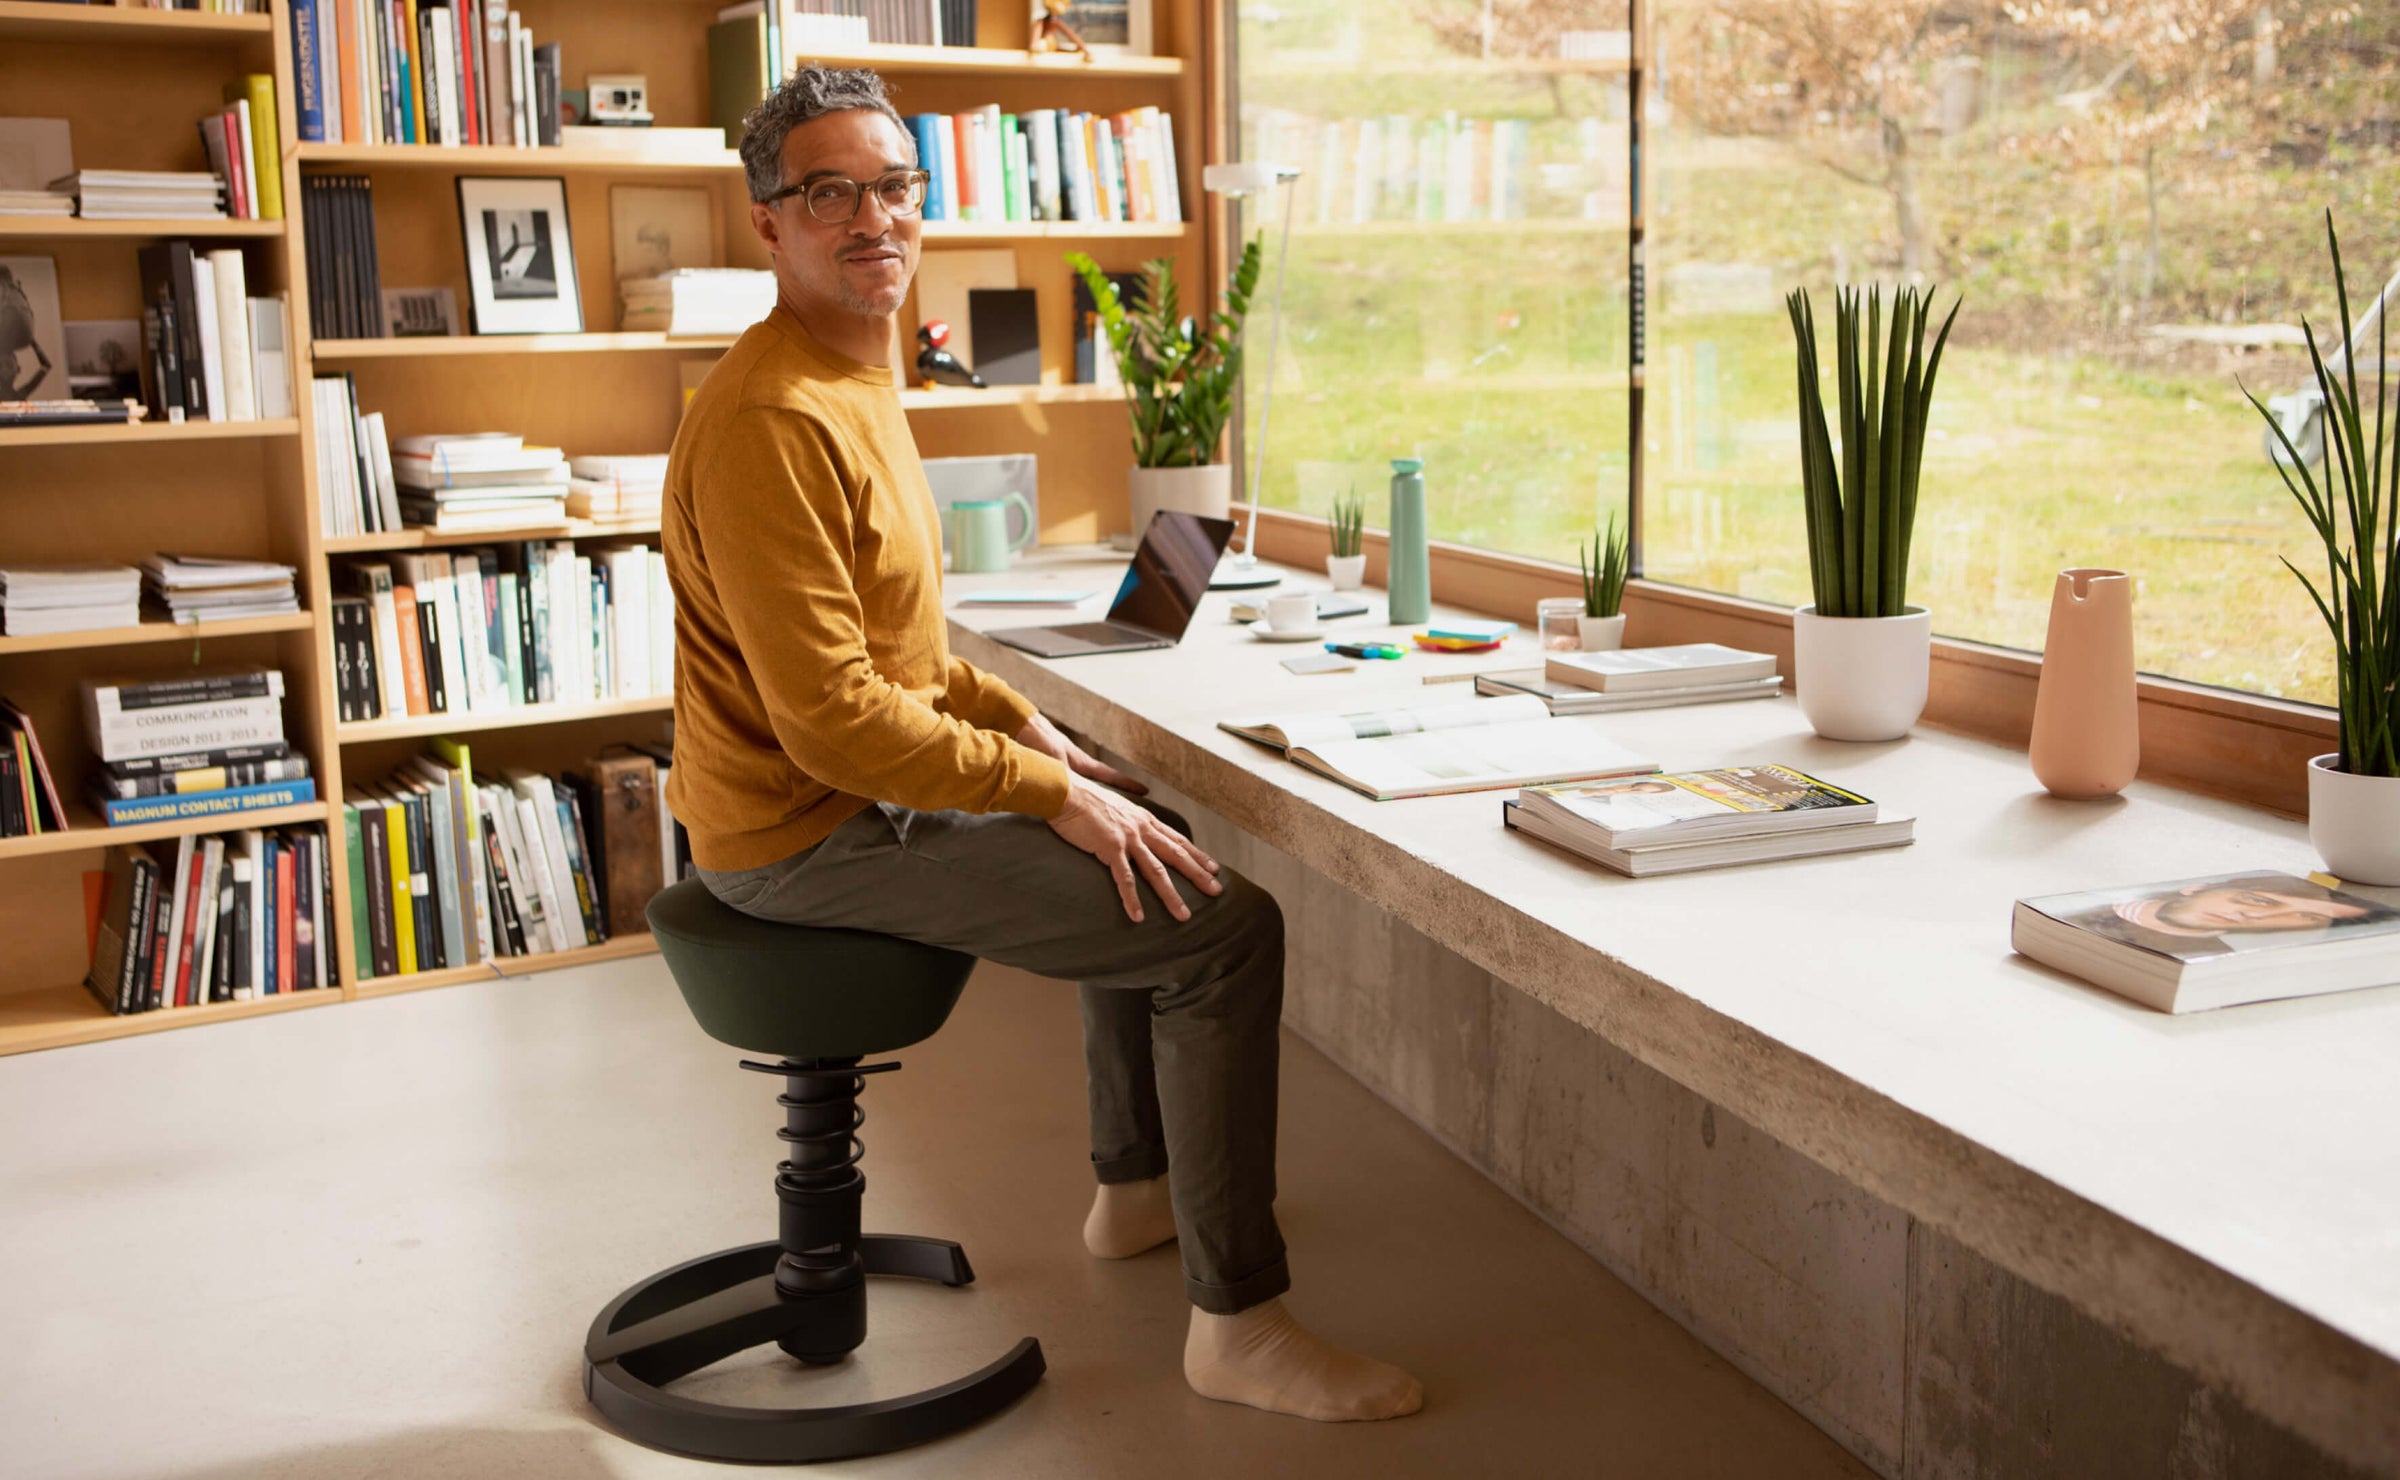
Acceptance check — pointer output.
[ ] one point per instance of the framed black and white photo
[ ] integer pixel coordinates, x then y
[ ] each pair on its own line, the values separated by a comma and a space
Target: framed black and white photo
33, 341
520, 261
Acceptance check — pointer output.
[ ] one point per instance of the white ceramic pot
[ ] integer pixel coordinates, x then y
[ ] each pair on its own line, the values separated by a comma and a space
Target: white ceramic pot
2354, 821
1862, 678
1206, 490
1347, 572
1601, 634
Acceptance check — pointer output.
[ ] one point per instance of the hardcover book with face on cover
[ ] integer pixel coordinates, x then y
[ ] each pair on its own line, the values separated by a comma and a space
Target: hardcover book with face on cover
2192, 944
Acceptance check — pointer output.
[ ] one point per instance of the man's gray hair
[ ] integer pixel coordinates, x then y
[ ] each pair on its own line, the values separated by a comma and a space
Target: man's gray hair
812, 92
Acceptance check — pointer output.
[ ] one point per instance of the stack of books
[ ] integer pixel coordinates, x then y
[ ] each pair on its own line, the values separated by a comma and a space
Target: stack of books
75, 411
469, 75
215, 352
530, 622
240, 140
618, 488
202, 588
479, 480
446, 871
37, 599
144, 195
1675, 822
227, 918
28, 797
1640, 678
345, 278
698, 300
356, 492
192, 747
1049, 164
36, 203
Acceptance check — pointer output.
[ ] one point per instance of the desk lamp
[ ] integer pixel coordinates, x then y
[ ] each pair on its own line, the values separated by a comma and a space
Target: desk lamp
1245, 178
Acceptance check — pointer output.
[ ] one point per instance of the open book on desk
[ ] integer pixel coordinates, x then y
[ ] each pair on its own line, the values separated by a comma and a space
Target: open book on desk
1440, 748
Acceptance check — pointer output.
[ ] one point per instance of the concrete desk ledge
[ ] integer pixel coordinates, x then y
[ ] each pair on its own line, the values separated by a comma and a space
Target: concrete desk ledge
2220, 1190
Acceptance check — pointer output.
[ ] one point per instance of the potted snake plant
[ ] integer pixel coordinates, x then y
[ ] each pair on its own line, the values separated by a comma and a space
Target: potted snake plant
1180, 375
2353, 504
1604, 567
1346, 567
1861, 653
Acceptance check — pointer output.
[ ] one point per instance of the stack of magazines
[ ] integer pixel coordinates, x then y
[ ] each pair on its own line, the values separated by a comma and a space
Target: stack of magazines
698, 300
479, 480
201, 588
145, 195
1672, 823
37, 599
632, 487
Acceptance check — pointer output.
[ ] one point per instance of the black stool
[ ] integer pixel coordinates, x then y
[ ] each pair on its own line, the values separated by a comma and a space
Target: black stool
820, 1000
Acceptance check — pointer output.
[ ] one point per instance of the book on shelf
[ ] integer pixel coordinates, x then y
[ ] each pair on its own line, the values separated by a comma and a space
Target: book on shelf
1567, 698
75, 411
501, 626
756, 42
619, 487
145, 195
345, 278
1671, 857
1685, 665
1693, 806
33, 153
29, 801
186, 781
203, 588
447, 72
125, 721
1437, 749
215, 352
218, 918
118, 811
697, 300
41, 599
356, 490
2188, 945
706, 145
1049, 164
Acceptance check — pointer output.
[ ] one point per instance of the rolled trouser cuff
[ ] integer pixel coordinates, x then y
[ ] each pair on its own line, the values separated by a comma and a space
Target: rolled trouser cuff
1144, 1165
1233, 1299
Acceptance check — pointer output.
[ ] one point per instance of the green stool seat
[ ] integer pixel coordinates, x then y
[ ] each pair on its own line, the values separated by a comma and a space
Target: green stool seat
800, 992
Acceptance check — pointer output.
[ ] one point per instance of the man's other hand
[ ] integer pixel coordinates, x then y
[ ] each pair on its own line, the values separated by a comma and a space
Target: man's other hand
1132, 844
1039, 734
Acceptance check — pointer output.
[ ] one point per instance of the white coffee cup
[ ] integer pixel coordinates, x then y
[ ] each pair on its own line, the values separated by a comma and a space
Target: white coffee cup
1295, 611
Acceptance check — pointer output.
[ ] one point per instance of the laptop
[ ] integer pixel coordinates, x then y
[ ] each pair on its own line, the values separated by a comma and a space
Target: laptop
1154, 605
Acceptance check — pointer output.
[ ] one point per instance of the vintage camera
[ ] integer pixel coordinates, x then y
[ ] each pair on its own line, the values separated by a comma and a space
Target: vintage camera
623, 99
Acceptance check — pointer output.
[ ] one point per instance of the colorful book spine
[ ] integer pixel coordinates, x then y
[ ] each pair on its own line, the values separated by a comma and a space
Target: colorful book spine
124, 812
308, 71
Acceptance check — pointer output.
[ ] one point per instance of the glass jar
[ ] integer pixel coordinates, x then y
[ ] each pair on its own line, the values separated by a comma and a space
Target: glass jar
1558, 619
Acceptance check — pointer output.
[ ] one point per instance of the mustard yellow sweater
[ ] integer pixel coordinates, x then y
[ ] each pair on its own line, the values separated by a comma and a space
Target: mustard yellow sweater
813, 673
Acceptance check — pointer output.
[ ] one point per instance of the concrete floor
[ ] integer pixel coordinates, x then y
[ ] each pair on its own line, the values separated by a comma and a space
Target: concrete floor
366, 1241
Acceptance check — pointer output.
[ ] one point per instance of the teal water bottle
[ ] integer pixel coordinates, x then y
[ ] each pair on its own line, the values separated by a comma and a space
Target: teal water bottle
1409, 573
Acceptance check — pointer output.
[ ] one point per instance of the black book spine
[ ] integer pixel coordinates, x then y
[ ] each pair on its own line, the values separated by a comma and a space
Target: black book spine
528, 571
220, 984
546, 67
133, 987
345, 673
304, 906
244, 901
370, 296
420, 890
270, 906
342, 293
166, 357
12, 796
375, 838
429, 635
194, 760
162, 914
510, 925
585, 849
167, 693
196, 389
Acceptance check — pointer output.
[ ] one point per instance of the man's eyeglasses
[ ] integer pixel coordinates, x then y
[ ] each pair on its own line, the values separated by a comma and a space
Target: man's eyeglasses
835, 201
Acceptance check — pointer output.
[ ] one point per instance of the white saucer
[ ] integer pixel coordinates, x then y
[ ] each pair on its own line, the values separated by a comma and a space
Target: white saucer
1264, 633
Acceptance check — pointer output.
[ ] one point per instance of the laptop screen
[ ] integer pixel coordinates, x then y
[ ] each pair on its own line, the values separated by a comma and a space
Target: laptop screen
1170, 572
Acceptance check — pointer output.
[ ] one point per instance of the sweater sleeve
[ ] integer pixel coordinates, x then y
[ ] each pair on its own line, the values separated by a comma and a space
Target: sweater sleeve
774, 522
983, 700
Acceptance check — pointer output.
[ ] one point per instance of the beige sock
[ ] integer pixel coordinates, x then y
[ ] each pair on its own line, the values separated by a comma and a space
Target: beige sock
1129, 1218
1266, 1359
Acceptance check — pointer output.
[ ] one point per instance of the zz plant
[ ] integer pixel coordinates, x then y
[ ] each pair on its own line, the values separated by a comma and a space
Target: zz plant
1349, 526
1862, 500
2356, 514
1180, 375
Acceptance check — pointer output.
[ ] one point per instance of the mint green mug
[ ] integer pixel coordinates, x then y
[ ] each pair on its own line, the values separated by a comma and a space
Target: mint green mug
978, 530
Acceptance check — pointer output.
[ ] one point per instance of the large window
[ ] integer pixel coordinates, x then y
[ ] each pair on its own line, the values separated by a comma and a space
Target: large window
1456, 289
2129, 194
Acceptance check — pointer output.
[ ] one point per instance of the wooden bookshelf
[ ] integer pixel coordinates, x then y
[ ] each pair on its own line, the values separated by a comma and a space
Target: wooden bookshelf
129, 80
155, 631
338, 351
75, 228
36, 20
86, 832
143, 433
473, 720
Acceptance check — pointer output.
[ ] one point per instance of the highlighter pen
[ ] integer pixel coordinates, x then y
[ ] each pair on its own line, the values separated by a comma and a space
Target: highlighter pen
1364, 649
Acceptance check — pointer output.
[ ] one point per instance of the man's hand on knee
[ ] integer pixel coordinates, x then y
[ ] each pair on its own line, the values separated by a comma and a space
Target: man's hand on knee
1039, 734
1133, 845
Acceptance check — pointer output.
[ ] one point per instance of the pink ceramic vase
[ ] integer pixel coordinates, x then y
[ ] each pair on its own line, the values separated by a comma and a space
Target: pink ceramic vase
2087, 737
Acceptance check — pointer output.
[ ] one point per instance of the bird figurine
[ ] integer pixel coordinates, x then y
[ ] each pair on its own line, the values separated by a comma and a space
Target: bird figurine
936, 365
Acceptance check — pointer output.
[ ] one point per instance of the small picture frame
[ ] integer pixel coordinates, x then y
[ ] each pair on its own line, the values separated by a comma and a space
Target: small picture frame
420, 313
654, 229
520, 258
1108, 28
33, 340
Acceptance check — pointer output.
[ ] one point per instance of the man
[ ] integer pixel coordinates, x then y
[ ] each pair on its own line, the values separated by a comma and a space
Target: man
837, 767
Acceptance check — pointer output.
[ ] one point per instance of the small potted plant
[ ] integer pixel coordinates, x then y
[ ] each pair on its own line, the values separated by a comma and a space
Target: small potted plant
1861, 655
1346, 567
1604, 566
2354, 793
1180, 377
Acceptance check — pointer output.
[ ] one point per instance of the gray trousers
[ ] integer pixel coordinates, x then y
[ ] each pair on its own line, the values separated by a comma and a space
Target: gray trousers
1179, 1018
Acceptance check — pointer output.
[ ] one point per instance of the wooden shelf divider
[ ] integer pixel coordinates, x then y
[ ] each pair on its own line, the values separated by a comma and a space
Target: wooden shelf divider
85, 830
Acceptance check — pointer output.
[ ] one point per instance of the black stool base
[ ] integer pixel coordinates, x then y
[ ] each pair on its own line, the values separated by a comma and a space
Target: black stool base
682, 1319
